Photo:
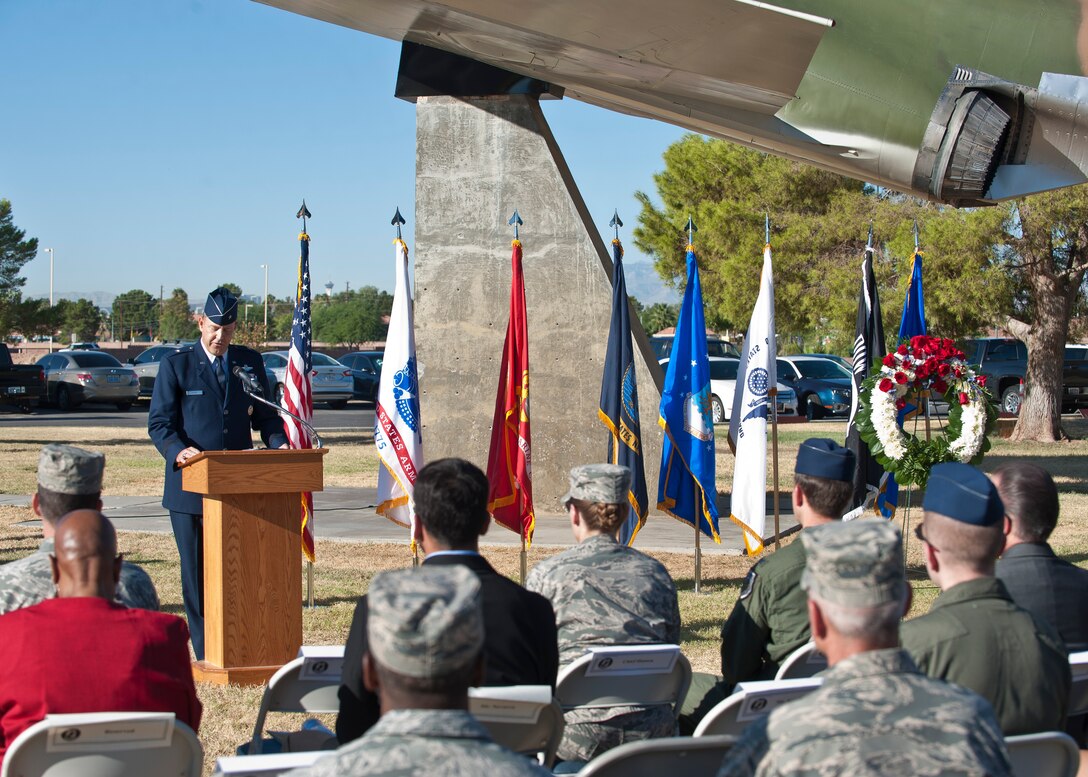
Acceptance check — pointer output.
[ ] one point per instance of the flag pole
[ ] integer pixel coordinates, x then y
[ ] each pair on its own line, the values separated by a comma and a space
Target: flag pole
774, 461
524, 558
303, 214
695, 484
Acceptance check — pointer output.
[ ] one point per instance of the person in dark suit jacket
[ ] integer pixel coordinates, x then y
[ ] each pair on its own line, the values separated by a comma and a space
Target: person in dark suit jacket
199, 405
1043, 584
84, 652
1048, 587
520, 643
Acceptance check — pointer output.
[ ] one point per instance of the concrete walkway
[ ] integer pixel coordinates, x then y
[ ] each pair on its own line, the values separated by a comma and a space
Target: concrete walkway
347, 514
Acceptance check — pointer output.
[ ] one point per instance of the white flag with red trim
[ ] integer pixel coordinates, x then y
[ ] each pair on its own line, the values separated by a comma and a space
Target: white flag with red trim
396, 413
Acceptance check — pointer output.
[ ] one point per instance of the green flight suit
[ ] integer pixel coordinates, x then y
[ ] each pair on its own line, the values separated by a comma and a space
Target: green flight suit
975, 636
770, 620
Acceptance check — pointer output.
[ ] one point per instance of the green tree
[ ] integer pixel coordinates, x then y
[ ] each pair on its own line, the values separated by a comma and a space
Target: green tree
658, 316
352, 317
14, 253
177, 321
233, 288
1046, 256
818, 227
135, 315
79, 320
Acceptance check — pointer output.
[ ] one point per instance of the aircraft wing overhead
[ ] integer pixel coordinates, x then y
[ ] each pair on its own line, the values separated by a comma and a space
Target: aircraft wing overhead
744, 54
928, 97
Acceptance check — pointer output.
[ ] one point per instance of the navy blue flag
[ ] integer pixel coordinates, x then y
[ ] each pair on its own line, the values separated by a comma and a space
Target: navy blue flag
619, 401
912, 324
686, 487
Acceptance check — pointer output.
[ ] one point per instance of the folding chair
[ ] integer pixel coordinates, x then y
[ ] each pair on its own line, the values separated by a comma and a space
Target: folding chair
642, 675
106, 744
265, 765
803, 662
1050, 754
307, 684
654, 757
752, 701
522, 718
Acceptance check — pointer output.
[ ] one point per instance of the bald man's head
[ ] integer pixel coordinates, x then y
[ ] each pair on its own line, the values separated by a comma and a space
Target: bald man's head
85, 559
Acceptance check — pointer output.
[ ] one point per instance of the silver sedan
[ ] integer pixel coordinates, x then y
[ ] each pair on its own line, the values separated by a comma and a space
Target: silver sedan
330, 380
75, 377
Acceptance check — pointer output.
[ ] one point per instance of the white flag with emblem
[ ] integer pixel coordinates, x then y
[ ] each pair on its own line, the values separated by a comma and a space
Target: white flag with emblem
752, 405
396, 413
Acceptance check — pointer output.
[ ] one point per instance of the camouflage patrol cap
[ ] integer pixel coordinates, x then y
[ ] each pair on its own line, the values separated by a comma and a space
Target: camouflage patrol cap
221, 307
66, 469
425, 622
607, 483
854, 564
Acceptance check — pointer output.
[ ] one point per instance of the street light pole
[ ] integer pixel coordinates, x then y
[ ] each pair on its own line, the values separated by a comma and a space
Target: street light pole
265, 268
50, 252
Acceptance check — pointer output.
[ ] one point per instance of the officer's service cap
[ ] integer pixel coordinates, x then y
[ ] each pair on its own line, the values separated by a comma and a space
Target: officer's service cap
426, 622
820, 457
221, 307
964, 494
607, 483
854, 564
66, 469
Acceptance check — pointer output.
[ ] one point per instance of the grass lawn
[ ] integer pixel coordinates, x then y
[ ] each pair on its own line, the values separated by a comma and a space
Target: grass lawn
344, 569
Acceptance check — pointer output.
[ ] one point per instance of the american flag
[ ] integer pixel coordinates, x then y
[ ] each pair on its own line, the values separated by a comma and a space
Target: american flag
297, 390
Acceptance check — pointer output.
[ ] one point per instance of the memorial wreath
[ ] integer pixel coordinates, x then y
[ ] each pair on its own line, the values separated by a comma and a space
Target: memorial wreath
924, 367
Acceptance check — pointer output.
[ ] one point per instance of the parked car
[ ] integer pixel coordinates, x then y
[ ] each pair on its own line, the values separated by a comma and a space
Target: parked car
842, 360
1075, 379
146, 364
366, 370
723, 381
823, 386
1004, 362
715, 346
75, 377
330, 380
22, 385
87, 346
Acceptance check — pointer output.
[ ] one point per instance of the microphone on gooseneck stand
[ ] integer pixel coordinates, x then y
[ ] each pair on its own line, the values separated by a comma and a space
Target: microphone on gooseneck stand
247, 378
252, 386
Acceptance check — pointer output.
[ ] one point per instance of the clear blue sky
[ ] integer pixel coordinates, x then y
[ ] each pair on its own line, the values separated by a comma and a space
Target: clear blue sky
169, 143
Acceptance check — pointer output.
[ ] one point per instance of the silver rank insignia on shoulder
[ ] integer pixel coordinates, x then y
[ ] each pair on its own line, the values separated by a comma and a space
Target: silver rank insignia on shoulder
749, 583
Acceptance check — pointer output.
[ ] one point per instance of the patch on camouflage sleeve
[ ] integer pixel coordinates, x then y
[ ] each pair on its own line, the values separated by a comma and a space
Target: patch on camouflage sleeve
749, 583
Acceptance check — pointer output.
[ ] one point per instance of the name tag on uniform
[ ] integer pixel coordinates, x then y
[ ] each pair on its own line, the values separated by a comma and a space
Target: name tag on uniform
195, 393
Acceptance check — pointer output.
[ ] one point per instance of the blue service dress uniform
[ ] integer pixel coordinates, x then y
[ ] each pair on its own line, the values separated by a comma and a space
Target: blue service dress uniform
189, 409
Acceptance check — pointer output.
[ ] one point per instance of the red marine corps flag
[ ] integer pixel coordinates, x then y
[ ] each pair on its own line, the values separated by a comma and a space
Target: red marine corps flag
509, 469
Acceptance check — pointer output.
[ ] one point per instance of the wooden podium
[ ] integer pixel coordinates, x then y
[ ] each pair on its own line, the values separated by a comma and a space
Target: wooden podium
252, 558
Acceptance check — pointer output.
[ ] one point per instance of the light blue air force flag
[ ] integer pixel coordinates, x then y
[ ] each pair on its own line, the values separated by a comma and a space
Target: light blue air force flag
686, 487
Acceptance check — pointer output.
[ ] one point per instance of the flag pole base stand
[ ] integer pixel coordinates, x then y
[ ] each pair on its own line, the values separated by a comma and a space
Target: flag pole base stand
210, 674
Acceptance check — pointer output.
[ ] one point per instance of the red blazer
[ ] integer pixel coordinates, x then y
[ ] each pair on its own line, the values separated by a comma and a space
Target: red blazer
86, 654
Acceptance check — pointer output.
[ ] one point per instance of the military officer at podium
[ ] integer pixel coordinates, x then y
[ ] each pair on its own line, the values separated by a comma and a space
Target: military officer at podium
198, 404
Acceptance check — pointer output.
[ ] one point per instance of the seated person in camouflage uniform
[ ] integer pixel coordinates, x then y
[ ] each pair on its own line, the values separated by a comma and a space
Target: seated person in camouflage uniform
769, 620
69, 478
875, 713
974, 634
425, 638
604, 594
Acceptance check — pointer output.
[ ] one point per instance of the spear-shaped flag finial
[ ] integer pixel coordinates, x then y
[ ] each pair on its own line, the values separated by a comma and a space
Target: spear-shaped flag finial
767, 228
616, 222
916, 235
397, 221
303, 214
516, 221
869, 240
692, 229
